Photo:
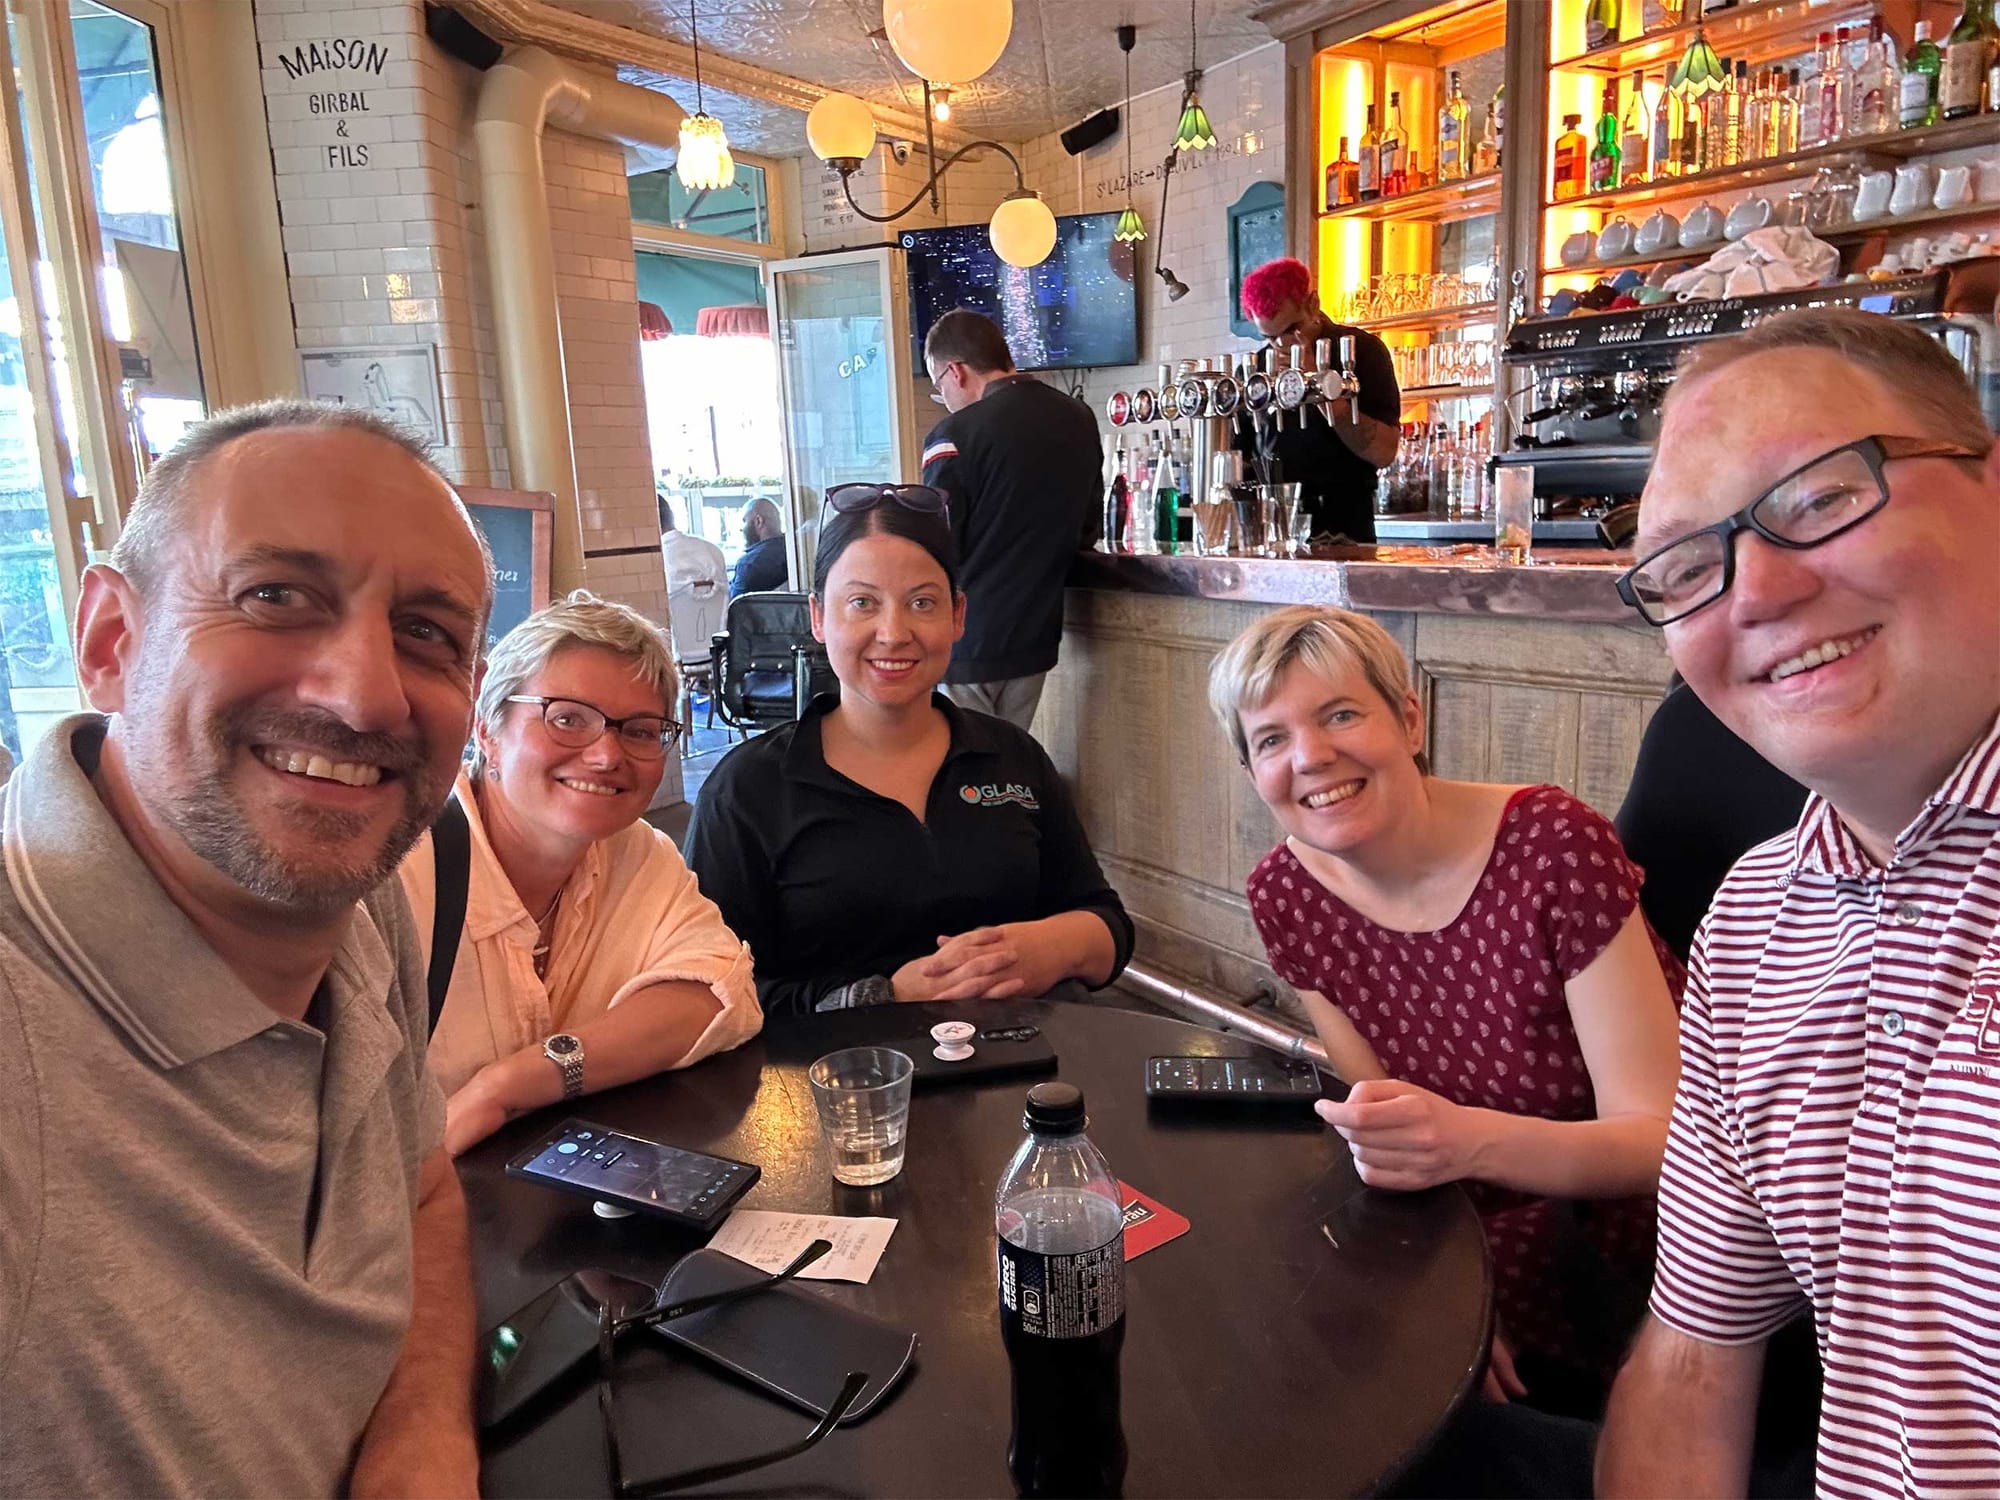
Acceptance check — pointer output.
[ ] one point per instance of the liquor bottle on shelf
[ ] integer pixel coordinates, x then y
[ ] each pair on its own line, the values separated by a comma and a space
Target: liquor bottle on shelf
1499, 124
1794, 111
1918, 95
1968, 48
1715, 124
1343, 179
1826, 113
1605, 154
1666, 153
1632, 134
1738, 95
1368, 164
1486, 155
1453, 139
1571, 166
1394, 153
1757, 116
1877, 86
1600, 23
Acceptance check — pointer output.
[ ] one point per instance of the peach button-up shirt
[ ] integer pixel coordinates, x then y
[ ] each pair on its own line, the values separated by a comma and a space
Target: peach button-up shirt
631, 916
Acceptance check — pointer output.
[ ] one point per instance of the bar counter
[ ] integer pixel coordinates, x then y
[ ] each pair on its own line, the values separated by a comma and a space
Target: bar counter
1562, 583
1527, 674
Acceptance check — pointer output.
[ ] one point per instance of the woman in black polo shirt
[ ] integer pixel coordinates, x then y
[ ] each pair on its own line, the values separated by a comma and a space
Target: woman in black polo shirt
889, 845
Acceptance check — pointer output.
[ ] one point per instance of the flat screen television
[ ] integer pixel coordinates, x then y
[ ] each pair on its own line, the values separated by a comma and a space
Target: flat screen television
1076, 309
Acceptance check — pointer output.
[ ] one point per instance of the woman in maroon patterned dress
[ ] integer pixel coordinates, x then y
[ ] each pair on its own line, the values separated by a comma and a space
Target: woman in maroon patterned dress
1475, 962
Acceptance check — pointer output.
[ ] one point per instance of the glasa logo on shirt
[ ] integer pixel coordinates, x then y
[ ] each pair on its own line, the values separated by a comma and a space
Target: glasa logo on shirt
994, 795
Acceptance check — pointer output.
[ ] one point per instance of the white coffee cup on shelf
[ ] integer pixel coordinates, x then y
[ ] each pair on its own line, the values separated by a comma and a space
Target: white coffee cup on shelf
1954, 187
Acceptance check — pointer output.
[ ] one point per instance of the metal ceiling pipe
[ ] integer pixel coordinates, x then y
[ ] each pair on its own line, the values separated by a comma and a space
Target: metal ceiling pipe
526, 91
1171, 994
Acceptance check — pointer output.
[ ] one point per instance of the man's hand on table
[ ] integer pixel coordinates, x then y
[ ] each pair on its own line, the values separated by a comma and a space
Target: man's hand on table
983, 964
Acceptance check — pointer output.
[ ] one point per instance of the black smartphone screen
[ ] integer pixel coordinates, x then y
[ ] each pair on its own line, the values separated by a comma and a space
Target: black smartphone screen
542, 1342
625, 1169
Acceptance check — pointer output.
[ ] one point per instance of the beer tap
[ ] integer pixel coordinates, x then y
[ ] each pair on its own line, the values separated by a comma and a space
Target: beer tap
1293, 388
1225, 392
1168, 402
1193, 392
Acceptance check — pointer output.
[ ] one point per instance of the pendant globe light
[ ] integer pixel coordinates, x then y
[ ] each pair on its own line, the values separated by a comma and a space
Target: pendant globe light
704, 163
948, 41
1129, 228
1194, 133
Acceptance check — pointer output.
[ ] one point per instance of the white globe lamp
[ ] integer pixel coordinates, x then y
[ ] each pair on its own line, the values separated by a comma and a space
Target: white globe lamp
840, 128
1023, 231
948, 41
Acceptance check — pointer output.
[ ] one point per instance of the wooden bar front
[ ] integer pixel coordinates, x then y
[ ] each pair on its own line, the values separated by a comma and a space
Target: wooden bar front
1534, 674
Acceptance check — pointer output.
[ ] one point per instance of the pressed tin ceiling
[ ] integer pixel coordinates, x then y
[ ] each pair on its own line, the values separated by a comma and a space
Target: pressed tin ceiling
1062, 61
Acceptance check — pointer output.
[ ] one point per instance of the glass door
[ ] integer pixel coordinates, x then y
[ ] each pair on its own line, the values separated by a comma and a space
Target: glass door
99, 367
841, 323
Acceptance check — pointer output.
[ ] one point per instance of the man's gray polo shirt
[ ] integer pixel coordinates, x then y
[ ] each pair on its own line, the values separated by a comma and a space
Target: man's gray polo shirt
176, 1315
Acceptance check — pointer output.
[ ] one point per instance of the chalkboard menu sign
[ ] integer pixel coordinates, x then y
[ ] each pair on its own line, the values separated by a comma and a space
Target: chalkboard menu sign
519, 525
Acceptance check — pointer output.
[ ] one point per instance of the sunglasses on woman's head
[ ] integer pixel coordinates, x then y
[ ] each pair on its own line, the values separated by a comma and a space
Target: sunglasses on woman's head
924, 499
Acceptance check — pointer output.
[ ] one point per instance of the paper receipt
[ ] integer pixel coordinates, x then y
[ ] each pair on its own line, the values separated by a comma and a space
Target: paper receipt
770, 1241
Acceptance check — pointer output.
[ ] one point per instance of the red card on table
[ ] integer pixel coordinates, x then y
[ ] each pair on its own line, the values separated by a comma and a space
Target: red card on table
1149, 1223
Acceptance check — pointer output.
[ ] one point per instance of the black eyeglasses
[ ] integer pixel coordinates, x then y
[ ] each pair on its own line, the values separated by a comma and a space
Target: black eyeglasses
576, 726
1814, 503
611, 1325
925, 499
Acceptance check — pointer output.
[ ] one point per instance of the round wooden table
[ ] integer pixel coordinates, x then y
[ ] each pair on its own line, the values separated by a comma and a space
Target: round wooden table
1307, 1336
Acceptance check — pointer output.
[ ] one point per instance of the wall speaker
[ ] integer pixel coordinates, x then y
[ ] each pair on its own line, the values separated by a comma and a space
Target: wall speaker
1081, 137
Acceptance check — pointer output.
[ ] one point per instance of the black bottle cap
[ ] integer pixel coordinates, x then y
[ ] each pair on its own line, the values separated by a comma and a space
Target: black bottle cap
1054, 1109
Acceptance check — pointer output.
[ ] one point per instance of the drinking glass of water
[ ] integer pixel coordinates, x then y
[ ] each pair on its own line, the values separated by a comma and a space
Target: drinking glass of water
863, 1096
1514, 513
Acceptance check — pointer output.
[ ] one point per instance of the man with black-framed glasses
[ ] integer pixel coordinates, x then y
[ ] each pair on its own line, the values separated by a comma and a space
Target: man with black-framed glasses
1820, 542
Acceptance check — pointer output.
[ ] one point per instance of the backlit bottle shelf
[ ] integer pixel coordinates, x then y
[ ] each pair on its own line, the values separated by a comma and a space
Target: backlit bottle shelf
1853, 150
1753, 32
1441, 202
1455, 316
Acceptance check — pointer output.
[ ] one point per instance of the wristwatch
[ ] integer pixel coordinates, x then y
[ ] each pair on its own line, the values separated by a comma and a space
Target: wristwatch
566, 1052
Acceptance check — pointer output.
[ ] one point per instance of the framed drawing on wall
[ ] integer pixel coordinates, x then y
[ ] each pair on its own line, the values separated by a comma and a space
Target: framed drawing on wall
1256, 233
398, 381
519, 525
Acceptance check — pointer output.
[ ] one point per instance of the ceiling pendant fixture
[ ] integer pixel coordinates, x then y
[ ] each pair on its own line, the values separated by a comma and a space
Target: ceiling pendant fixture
1699, 71
704, 163
1194, 133
948, 41
936, 41
1129, 228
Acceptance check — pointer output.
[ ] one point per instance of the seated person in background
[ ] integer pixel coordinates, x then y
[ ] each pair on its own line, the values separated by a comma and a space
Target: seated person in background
589, 957
1818, 538
762, 565
689, 559
1700, 799
890, 845
1474, 959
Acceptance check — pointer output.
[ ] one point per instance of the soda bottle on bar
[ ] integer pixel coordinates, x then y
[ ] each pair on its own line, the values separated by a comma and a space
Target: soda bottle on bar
1117, 500
1060, 1221
1166, 505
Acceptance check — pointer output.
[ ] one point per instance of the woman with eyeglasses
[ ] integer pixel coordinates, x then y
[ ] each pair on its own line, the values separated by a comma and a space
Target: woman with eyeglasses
1475, 961
890, 846
588, 955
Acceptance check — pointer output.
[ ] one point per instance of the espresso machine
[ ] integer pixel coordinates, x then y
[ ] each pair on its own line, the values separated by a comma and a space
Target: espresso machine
1589, 414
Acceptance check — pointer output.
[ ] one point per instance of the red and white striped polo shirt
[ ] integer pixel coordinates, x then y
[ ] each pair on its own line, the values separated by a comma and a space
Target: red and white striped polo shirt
1837, 1133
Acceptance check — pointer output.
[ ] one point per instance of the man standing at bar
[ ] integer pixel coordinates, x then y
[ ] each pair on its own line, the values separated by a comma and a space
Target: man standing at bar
1819, 538
1021, 462
1333, 452
233, 1251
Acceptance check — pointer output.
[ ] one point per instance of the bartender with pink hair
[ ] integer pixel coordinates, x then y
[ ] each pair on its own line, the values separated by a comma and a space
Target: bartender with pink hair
1334, 454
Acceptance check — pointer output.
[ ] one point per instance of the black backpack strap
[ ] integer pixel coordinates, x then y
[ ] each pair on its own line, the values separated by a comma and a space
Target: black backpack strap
451, 847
